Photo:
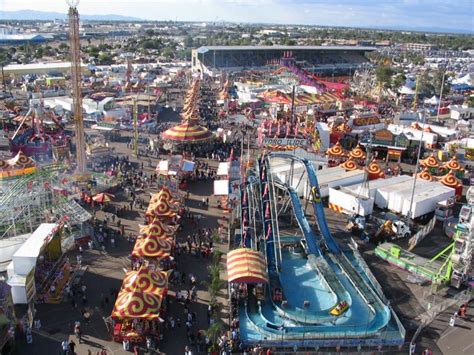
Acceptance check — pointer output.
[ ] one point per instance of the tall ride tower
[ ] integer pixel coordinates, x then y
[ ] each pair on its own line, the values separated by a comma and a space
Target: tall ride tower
75, 45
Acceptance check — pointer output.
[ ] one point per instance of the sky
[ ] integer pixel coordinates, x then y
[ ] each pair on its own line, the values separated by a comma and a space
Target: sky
449, 14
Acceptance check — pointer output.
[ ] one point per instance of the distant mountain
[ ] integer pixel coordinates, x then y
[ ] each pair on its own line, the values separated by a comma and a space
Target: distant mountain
26, 15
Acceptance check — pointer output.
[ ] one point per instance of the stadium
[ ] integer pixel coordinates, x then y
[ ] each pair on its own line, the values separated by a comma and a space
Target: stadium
324, 60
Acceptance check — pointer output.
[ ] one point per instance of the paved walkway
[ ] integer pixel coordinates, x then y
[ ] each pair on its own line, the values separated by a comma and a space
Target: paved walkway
104, 274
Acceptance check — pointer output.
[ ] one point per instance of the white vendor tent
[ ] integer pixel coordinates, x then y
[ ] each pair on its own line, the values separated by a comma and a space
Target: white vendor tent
221, 187
21, 269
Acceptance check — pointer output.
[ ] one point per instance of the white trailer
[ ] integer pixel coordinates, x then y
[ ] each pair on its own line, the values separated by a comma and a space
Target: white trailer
350, 202
338, 179
375, 185
426, 201
383, 195
397, 198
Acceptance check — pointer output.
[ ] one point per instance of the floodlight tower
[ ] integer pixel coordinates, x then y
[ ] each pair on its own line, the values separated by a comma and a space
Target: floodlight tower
75, 45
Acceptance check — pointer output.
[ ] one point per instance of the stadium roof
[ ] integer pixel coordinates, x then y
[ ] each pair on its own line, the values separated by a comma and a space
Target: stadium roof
284, 48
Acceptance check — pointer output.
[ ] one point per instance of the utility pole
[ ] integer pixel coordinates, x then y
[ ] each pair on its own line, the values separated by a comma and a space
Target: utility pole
440, 96
135, 127
423, 117
76, 84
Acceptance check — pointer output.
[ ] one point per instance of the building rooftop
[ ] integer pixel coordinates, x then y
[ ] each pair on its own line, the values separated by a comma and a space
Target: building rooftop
204, 49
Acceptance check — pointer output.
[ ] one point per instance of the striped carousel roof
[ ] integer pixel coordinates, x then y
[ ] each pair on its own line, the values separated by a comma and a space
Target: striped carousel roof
187, 132
246, 265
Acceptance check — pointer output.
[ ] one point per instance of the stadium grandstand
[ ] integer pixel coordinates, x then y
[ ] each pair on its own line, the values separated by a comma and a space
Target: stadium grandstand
324, 60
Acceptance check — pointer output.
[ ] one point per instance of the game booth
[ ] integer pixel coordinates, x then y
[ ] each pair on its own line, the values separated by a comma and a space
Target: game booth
139, 308
39, 270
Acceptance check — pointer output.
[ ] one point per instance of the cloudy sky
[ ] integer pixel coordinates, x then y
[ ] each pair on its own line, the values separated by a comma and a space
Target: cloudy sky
452, 14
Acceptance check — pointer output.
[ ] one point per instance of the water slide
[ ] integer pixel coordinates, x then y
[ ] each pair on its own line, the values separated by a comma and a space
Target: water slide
337, 270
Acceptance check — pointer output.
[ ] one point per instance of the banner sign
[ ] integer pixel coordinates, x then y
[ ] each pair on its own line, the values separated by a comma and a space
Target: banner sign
285, 141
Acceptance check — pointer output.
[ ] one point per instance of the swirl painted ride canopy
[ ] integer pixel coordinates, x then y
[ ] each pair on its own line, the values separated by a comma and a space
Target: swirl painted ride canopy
425, 175
430, 162
374, 170
163, 194
357, 153
137, 304
187, 132
153, 247
336, 151
157, 228
146, 280
349, 165
453, 164
161, 208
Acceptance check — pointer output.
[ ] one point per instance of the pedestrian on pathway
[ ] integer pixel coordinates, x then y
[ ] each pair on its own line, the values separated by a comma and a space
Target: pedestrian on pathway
65, 347
126, 344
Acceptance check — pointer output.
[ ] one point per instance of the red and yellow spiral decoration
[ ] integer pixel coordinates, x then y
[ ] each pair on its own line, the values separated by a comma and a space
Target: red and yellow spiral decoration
450, 180
349, 165
453, 164
137, 305
374, 170
336, 150
153, 247
357, 153
146, 280
425, 175
430, 162
161, 209
158, 229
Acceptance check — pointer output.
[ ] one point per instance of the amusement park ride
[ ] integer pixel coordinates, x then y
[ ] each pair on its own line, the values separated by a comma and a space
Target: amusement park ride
35, 138
452, 265
76, 85
338, 306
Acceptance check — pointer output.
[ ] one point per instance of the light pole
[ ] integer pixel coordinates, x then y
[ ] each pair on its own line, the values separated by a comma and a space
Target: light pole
423, 117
